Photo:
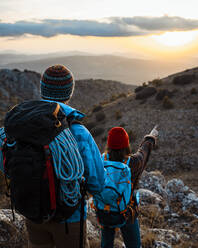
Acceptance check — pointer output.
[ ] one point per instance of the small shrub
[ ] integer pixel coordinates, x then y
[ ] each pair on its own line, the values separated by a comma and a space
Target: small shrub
113, 98
193, 91
14, 100
104, 102
118, 115
97, 131
184, 79
122, 95
122, 124
145, 93
97, 108
167, 103
143, 101
148, 240
156, 82
162, 93
187, 244
100, 116
139, 88
16, 70
132, 135
90, 125
151, 217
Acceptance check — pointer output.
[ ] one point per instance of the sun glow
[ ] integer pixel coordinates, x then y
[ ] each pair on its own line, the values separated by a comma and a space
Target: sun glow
173, 39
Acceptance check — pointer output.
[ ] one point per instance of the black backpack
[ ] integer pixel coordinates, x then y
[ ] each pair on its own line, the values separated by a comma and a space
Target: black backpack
34, 187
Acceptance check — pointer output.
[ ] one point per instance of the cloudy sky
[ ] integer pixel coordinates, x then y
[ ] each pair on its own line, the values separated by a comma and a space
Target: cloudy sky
143, 28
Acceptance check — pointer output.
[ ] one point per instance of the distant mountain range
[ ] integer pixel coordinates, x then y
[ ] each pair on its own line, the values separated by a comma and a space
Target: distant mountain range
87, 66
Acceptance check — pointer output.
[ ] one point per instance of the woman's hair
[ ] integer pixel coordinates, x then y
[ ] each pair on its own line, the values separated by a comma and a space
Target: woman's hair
118, 154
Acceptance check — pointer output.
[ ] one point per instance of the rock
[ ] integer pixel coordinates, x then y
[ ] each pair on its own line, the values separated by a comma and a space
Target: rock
191, 202
93, 232
12, 233
160, 244
153, 181
169, 236
149, 197
178, 192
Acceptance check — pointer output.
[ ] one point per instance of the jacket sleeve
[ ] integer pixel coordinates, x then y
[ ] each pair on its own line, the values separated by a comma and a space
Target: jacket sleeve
139, 160
94, 168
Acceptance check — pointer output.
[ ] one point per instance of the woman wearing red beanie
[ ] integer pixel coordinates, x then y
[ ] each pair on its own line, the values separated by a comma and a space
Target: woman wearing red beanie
110, 211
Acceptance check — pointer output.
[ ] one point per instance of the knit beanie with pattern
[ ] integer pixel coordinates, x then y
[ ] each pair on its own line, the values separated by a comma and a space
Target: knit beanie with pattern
117, 138
57, 83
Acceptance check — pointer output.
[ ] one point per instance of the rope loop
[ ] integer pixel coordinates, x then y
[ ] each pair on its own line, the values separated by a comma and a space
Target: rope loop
68, 166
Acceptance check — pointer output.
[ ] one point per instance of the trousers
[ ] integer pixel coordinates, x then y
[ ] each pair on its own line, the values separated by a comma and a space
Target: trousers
52, 234
130, 233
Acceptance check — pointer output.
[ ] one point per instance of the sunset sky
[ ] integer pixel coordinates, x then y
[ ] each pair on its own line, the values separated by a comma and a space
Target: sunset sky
143, 29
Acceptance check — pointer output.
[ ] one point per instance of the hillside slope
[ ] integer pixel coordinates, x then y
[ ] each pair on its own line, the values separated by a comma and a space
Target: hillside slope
17, 86
172, 103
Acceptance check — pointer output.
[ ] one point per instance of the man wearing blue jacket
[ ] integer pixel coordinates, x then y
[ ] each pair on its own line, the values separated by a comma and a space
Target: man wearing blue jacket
57, 84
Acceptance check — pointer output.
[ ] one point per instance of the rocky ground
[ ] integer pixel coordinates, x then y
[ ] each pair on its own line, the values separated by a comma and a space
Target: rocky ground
169, 187
168, 217
168, 214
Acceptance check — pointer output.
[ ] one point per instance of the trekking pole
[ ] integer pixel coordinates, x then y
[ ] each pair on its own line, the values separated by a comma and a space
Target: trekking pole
82, 212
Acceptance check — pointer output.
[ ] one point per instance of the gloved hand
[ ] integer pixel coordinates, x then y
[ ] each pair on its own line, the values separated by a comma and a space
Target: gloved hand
153, 134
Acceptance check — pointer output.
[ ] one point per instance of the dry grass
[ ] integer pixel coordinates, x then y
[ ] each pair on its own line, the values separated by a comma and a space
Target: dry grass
148, 240
151, 217
167, 103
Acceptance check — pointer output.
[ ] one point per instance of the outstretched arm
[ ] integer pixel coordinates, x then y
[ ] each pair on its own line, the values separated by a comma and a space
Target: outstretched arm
140, 158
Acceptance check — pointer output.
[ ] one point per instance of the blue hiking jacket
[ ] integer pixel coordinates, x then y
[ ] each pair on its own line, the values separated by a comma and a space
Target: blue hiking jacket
93, 164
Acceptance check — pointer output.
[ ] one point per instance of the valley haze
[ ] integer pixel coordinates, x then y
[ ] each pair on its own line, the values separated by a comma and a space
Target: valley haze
118, 67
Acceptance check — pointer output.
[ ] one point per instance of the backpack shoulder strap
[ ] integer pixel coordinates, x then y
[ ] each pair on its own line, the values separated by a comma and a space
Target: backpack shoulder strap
127, 161
105, 156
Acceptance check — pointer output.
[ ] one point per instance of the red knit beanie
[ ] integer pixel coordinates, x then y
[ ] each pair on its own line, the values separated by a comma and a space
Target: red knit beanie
117, 138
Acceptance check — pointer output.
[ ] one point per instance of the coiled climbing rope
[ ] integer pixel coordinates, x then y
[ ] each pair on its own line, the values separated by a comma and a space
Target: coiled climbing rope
68, 166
